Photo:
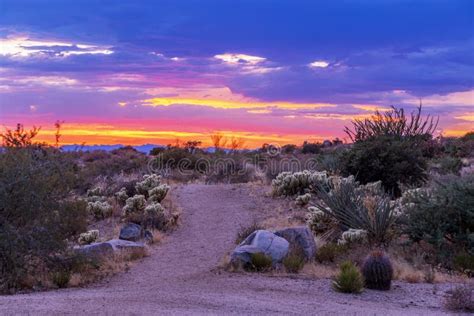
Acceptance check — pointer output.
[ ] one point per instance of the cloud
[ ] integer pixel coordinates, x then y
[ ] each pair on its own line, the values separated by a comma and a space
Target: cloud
22, 47
319, 64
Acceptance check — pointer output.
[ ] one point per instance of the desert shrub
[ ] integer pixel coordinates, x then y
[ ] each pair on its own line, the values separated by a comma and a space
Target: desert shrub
245, 231
389, 147
294, 260
88, 237
310, 148
443, 215
37, 211
291, 183
328, 252
121, 196
349, 279
464, 262
157, 194
378, 271
150, 181
94, 192
61, 278
260, 262
357, 206
99, 210
303, 200
447, 164
108, 164
460, 299
385, 158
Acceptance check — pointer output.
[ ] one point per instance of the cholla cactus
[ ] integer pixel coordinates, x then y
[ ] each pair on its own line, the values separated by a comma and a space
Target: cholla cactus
318, 221
121, 195
303, 200
289, 183
149, 182
94, 192
134, 205
99, 210
88, 237
157, 194
352, 236
155, 216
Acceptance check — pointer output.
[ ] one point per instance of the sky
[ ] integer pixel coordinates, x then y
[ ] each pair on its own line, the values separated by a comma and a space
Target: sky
136, 72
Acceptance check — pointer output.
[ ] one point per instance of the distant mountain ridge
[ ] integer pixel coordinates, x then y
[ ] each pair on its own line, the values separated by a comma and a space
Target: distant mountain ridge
145, 148
141, 148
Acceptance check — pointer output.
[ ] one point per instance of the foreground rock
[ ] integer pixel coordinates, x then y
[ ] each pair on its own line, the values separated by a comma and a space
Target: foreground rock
131, 232
109, 248
260, 241
300, 238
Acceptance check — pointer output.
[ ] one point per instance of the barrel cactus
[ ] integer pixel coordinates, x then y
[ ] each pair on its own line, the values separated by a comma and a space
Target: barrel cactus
378, 271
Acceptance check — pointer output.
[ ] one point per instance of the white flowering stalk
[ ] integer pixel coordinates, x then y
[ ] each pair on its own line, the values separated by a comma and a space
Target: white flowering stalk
88, 237
352, 236
157, 194
303, 200
99, 209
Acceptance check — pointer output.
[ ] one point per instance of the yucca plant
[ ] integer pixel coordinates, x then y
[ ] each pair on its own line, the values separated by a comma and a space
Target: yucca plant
358, 207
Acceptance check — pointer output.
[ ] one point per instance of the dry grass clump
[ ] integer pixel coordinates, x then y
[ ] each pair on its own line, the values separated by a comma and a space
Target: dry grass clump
260, 262
460, 299
294, 261
245, 231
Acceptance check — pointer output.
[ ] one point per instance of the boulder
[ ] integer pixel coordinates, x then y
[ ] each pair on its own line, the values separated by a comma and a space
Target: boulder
131, 232
262, 241
300, 237
96, 250
119, 244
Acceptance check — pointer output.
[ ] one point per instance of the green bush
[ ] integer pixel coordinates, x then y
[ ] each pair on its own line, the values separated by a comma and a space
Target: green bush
260, 262
388, 159
464, 262
349, 279
328, 252
390, 147
61, 278
37, 211
443, 215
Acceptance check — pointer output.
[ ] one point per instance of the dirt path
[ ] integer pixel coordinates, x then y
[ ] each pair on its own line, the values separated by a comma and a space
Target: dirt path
178, 278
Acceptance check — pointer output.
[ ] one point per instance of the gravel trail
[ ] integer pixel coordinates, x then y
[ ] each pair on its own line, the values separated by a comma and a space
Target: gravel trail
180, 276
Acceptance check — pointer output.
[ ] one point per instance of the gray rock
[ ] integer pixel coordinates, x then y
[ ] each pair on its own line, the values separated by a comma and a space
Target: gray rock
262, 241
96, 250
131, 232
119, 244
300, 237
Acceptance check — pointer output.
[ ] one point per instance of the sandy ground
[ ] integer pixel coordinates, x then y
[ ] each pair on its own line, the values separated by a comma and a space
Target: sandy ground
180, 275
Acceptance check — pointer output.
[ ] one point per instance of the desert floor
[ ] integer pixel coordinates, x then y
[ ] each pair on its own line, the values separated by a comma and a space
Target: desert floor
182, 275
